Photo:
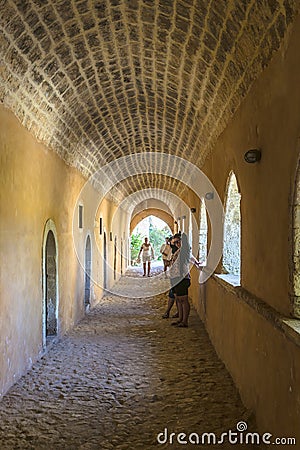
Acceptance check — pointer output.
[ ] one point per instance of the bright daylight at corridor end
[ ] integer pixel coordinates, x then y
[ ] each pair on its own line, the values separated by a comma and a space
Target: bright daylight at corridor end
119, 335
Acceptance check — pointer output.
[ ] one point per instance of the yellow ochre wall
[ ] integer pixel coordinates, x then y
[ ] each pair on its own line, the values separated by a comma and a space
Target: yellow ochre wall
36, 185
263, 359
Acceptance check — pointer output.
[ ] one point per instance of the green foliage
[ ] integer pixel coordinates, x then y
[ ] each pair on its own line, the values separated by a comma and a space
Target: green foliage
157, 238
135, 245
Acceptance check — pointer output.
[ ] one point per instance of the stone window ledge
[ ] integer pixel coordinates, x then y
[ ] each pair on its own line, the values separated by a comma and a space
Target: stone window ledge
290, 327
233, 280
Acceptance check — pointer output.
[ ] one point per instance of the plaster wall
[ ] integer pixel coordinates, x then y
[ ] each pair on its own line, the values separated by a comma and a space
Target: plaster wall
268, 119
115, 225
263, 361
120, 230
35, 186
191, 222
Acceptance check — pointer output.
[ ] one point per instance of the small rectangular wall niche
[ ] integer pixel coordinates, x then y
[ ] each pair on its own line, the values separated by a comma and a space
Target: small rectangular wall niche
80, 216
100, 225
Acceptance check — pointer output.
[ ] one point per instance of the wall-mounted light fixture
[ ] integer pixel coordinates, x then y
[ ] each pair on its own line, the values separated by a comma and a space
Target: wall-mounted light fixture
253, 155
209, 195
193, 210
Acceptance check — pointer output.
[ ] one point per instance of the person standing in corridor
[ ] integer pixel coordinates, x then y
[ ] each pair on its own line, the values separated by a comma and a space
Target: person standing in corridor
171, 296
166, 252
147, 253
180, 274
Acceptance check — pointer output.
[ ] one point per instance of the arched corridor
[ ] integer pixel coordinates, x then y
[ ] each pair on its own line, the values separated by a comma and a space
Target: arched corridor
112, 111
118, 380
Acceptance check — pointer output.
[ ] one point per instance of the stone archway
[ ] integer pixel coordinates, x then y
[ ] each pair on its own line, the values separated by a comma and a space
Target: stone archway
87, 272
163, 215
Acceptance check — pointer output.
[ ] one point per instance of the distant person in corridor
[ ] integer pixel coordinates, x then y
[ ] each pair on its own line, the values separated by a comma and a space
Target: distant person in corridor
166, 252
147, 253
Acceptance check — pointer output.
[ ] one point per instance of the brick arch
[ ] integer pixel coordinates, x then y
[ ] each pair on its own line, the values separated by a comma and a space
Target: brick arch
163, 215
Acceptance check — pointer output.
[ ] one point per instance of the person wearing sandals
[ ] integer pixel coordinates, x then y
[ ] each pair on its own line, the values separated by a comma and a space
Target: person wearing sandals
182, 280
147, 253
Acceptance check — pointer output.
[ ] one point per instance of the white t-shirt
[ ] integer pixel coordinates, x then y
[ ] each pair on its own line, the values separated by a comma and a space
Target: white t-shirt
175, 267
165, 248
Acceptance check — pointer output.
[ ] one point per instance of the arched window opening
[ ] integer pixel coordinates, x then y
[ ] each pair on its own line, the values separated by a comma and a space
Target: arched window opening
232, 230
88, 272
179, 224
295, 266
203, 234
183, 224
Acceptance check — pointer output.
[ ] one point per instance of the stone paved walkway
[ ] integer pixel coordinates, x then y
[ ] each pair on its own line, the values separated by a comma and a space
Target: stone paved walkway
118, 379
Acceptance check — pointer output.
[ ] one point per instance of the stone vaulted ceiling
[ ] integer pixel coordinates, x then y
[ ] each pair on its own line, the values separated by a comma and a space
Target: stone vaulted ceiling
153, 181
99, 79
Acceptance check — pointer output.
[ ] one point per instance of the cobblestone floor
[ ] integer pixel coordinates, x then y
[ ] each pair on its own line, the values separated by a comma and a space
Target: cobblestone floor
118, 379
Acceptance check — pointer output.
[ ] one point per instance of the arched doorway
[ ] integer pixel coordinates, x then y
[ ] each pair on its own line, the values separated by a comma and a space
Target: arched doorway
87, 272
104, 261
115, 258
121, 256
50, 287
